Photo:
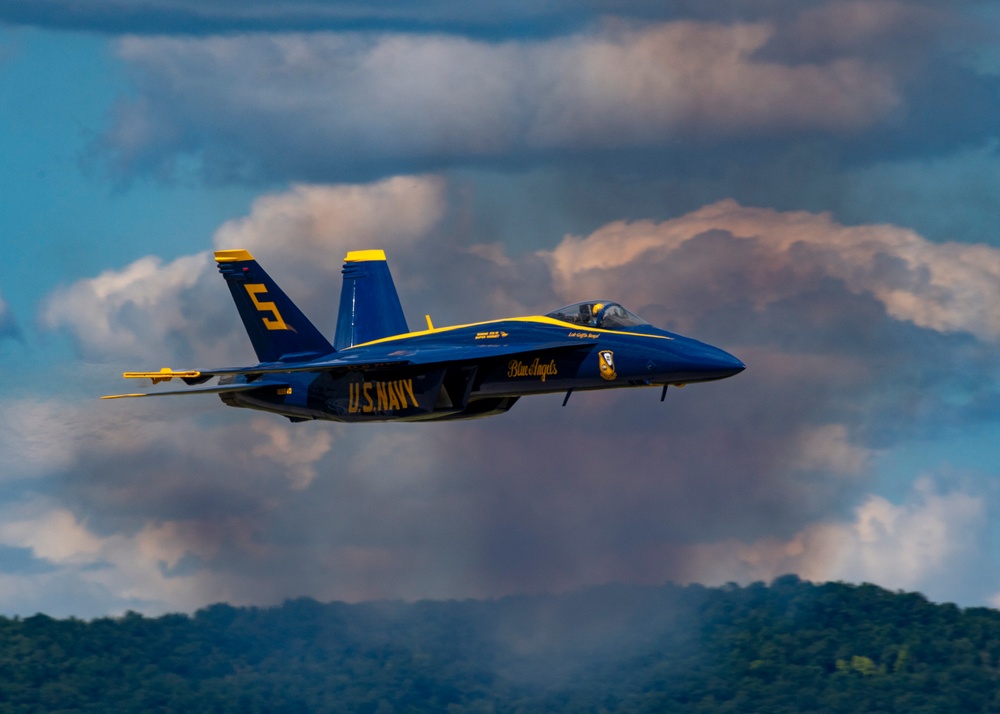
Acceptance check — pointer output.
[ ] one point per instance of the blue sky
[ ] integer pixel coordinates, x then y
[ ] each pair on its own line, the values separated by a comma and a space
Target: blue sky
810, 185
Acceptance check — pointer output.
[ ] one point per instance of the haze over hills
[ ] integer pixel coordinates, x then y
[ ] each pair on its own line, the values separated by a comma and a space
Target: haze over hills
792, 646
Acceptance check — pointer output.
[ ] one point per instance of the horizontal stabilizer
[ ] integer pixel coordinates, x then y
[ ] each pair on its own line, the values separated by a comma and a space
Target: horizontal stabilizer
166, 374
211, 389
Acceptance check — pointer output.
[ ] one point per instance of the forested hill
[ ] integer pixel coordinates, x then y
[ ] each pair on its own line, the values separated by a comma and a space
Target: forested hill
789, 647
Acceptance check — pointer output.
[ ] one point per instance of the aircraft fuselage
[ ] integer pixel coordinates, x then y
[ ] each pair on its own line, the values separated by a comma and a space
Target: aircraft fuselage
486, 385
376, 369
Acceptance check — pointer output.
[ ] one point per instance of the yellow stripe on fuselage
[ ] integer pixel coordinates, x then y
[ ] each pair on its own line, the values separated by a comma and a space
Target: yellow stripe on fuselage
536, 319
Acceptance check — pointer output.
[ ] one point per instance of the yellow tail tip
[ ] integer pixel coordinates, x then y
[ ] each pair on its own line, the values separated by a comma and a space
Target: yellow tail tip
232, 256
360, 256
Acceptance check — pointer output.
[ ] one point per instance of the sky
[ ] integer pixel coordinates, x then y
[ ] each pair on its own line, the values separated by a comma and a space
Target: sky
810, 185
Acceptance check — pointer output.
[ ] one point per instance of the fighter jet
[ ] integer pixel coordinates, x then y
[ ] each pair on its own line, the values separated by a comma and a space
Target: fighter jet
376, 369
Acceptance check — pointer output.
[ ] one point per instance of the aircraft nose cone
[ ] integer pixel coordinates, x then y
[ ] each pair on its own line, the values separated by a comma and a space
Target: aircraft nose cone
725, 362
718, 363
704, 362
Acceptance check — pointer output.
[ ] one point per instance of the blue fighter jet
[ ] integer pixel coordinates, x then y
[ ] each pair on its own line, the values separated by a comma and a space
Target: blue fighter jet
378, 370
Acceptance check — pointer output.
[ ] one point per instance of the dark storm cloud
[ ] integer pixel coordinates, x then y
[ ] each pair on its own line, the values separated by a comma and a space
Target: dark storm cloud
493, 19
856, 339
546, 498
326, 106
889, 30
849, 107
219, 16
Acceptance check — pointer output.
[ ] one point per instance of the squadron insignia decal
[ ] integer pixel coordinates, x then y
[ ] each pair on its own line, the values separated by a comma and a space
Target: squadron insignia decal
607, 364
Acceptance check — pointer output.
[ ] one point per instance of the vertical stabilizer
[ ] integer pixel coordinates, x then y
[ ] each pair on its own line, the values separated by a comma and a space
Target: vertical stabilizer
369, 305
277, 328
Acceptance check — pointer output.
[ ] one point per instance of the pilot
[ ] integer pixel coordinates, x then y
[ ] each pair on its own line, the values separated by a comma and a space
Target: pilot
595, 312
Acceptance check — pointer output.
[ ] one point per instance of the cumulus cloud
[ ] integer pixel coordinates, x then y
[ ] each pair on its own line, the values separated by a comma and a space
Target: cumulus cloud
322, 222
943, 287
137, 521
320, 104
89, 574
933, 542
181, 312
303, 234
113, 314
298, 452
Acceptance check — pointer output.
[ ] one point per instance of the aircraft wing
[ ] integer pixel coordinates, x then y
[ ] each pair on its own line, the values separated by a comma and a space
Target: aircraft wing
362, 357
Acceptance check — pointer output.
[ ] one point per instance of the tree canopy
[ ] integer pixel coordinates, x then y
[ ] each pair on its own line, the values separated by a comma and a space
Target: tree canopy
792, 646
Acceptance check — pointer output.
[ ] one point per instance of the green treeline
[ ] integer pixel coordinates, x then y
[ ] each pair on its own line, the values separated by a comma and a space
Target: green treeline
789, 647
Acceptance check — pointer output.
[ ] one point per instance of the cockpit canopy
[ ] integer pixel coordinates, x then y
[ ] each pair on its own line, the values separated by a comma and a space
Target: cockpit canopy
604, 314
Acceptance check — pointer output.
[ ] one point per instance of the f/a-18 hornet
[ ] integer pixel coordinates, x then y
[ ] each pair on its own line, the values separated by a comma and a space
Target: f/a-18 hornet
378, 370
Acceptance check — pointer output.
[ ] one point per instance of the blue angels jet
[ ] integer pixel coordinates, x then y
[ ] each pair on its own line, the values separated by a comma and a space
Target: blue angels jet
378, 370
